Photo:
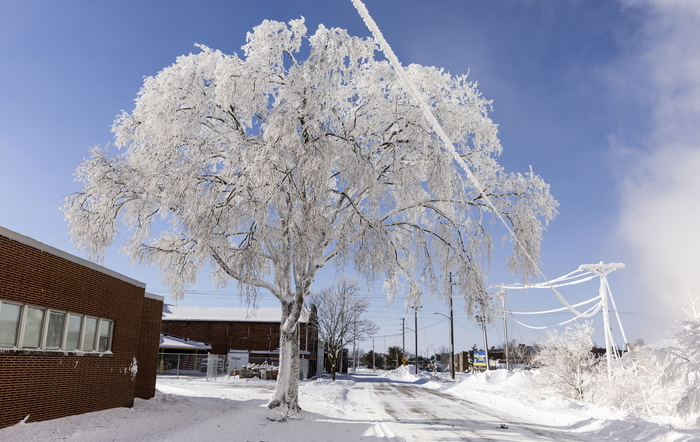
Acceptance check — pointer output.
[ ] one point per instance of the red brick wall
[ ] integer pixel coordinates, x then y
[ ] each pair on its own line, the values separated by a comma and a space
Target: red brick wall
225, 336
47, 385
149, 341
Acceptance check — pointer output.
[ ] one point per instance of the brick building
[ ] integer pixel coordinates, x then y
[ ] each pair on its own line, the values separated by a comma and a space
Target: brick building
255, 332
75, 337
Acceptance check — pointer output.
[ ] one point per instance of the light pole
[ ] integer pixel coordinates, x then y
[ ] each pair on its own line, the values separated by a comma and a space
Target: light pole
452, 344
427, 354
415, 310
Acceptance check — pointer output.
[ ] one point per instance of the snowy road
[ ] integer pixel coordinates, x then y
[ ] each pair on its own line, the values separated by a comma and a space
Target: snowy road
410, 412
359, 407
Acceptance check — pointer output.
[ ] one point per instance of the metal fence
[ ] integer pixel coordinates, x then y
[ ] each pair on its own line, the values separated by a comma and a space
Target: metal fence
182, 364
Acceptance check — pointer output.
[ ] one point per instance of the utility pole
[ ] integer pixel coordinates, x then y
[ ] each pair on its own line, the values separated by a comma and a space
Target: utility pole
403, 334
415, 310
505, 329
452, 334
374, 358
482, 320
602, 271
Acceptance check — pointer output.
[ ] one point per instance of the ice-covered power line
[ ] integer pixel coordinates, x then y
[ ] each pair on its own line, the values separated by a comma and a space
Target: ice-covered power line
554, 310
601, 270
413, 90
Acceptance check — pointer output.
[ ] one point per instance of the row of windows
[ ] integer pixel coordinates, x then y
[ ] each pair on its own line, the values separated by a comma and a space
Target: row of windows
36, 328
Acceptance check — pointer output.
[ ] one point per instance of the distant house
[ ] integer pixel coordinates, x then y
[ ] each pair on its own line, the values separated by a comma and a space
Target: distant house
176, 354
176, 344
75, 337
251, 334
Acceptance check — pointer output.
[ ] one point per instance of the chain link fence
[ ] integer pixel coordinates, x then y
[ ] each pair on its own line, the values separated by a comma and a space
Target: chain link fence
184, 364
215, 366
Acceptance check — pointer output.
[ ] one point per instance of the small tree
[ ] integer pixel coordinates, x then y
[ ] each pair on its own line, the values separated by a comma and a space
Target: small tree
395, 356
568, 357
339, 318
370, 359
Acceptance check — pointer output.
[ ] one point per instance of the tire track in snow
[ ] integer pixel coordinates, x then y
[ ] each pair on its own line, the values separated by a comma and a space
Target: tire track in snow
415, 413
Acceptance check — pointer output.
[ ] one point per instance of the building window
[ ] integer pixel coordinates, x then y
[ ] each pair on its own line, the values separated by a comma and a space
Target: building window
89, 334
9, 324
33, 325
29, 327
54, 330
105, 343
73, 332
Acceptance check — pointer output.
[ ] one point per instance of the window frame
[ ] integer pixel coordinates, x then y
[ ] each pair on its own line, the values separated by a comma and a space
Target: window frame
45, 331
43, 328
25, 311
19, 320
98, 335
64, 342
87, 318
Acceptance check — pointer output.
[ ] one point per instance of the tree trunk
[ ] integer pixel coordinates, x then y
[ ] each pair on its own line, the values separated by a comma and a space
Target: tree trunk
333, 361
287, 388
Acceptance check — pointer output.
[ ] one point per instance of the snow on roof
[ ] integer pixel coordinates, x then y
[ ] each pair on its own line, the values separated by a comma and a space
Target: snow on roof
170, 341
228, 314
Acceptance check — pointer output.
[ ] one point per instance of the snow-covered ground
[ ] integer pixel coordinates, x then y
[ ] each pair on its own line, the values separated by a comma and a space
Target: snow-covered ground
396, 405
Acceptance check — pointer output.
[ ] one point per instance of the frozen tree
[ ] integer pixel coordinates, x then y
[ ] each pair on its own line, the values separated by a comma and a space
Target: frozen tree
568, 357
681, 362
395, 356
269, 167
633, 385
517, 353
339, 318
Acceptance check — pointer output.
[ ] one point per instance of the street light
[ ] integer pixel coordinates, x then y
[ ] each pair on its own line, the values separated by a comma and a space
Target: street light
452, 343
427, 355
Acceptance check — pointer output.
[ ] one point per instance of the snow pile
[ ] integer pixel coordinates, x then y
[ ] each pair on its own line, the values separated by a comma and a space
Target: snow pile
407, 373
324, 396
530, 396
403, 373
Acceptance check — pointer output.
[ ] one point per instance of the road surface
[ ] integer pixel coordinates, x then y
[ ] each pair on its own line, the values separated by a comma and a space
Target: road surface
412, 413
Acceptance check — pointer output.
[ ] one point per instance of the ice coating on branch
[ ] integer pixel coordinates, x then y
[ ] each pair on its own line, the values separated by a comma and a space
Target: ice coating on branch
267, 168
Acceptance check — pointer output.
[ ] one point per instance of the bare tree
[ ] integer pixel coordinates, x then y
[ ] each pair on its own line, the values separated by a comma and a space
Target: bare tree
268, 168
517, 353
339, 318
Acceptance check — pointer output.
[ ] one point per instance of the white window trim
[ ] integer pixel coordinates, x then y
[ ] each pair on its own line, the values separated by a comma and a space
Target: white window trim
80, 332
94, 339
99, 335
21, 328
45, 331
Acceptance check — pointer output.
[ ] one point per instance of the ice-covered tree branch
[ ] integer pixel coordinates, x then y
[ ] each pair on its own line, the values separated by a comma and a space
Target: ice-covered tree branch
268, 168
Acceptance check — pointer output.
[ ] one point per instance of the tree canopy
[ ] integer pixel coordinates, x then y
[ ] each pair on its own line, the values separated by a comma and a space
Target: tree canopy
269, 167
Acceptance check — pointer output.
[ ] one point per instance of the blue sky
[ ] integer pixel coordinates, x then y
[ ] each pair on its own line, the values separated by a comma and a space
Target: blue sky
602, 99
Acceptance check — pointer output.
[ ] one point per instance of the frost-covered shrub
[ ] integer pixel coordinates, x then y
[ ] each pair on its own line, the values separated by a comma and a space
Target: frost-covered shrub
681, 364
633, 385
568, 358
654, 382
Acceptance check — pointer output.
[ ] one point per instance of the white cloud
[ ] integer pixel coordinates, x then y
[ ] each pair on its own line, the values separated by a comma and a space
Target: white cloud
660, 177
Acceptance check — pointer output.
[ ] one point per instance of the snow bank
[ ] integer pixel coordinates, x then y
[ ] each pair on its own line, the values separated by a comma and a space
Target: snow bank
527, 395
189, 409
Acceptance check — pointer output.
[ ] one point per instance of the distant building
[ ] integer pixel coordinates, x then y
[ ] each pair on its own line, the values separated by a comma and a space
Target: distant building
75, 337
253, 333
